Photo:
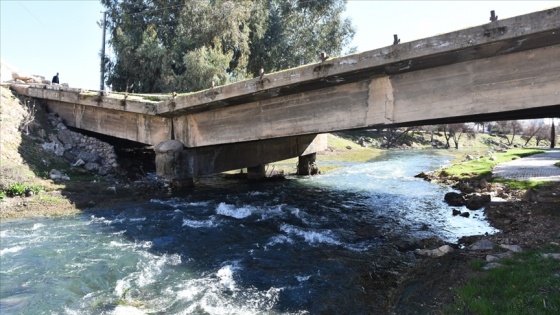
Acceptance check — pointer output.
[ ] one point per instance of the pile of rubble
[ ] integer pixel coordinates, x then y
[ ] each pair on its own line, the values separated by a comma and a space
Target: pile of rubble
27, 79
88, 153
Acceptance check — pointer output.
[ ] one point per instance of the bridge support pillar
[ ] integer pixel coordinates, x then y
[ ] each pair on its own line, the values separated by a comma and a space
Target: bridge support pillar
256, 172
306, 164
175, 164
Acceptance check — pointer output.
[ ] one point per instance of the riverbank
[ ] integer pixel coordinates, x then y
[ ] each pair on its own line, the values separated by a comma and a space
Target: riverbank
527, 219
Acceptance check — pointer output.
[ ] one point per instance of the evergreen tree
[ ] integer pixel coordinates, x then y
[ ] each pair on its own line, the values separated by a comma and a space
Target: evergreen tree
183, 46
297, 31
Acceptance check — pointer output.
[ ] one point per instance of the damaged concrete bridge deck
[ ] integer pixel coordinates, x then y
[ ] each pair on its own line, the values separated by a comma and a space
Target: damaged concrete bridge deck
506, 69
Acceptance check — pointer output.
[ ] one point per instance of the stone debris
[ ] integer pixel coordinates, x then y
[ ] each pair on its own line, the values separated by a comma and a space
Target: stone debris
81, 151
513, 248
498, 256
552, 255
491, 265
482, 245
438, 252
56, 174
18, 77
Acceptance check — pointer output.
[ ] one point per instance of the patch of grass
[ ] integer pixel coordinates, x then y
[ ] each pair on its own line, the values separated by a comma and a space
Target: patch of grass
483, 167
557, 164
477, 265
48, 198
153, 98
526, 184
528, 281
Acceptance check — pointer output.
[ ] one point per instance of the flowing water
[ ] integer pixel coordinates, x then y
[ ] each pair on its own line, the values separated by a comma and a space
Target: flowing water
312, 245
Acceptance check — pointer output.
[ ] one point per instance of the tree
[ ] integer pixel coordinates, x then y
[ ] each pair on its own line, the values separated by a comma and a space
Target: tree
552, 134
531, 130
509, 127
297, 31
393, 137
180, 45
542, 134
455, 132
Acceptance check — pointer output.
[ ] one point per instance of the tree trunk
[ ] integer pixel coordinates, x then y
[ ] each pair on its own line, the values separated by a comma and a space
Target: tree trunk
552, 135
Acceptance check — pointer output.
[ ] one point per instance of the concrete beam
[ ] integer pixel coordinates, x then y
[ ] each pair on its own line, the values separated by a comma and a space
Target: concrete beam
141, 128
215, 159
521, 83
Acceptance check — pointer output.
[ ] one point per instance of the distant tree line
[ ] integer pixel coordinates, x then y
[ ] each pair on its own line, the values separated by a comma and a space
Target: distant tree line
453, 134
161, 46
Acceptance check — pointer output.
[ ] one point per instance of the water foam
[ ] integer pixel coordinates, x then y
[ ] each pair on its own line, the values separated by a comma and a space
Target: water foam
311, 237
37, 226
11, 250
234, 212
208, 296
95, 219
225, 274
148, 270
200, 224
177, 202
278, 239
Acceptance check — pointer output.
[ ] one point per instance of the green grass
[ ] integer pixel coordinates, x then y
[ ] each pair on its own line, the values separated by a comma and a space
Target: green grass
154, 98
526, 184
526, 284
483, 167
557, 164
48, 198
20, 189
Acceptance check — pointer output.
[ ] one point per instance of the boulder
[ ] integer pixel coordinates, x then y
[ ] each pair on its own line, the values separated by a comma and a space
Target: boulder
477, 201
513, 248
482, 245
496, 257
454, 199
79, 162
56, 174
65, 136
90, 157
91, 166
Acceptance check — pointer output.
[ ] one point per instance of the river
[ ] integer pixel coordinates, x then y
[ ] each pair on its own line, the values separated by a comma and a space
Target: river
310, 245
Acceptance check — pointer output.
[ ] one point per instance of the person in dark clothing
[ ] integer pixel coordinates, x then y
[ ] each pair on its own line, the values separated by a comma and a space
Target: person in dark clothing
55, 79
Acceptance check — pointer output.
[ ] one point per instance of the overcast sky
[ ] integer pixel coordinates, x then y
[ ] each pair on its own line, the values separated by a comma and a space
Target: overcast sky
45, 37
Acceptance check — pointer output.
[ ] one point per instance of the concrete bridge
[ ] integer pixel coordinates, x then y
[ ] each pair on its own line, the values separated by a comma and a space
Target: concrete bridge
506, 69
